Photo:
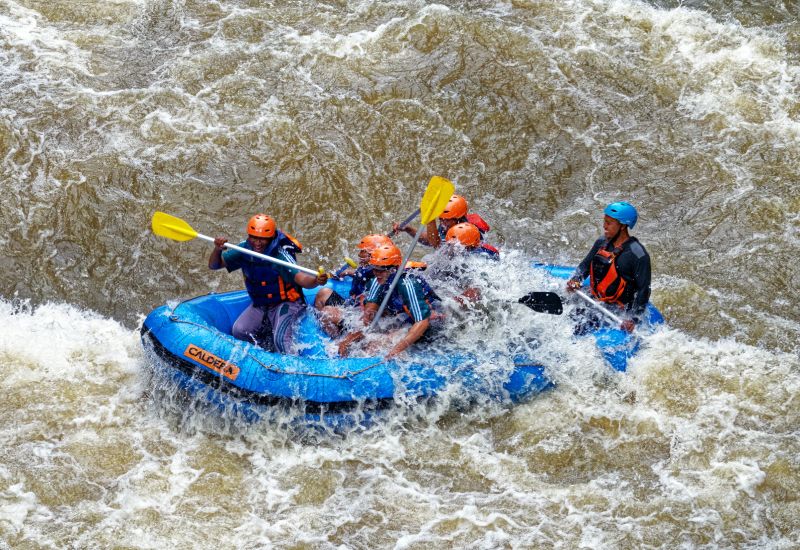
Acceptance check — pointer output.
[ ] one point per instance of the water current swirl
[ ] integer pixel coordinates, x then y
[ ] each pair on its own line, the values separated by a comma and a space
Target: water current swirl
332, 116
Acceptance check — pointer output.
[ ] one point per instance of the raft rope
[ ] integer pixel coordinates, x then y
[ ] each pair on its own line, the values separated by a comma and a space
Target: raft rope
348, 375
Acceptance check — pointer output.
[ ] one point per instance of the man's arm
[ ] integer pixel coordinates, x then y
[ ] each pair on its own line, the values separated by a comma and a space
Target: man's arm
431, 236
215, 259
309, 281
582, 270
642, 276
347, 341
369, 312
414, 333
302, 279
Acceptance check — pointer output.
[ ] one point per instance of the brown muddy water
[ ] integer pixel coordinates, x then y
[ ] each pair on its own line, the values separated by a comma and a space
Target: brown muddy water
332, 116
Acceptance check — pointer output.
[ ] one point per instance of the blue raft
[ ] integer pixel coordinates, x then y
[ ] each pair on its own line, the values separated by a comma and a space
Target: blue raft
193, 340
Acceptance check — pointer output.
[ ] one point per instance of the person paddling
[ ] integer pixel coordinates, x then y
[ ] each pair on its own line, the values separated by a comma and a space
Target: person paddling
409, 296
275, 291
462, 240
618, 267
469, 236
329, 303
454, 213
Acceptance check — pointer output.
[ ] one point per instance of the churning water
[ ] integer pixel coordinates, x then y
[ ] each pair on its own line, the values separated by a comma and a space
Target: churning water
332, 116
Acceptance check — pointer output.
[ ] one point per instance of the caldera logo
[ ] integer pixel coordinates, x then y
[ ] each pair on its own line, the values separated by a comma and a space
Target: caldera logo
205, 358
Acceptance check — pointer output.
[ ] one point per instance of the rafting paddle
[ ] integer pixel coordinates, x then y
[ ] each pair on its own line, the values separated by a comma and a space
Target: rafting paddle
543, 302
588, 299
433, 203
348, 262
176, 229
550, 302
405, 222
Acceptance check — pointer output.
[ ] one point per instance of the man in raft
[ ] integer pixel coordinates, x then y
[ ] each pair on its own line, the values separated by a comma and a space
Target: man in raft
461, 241
454, 213
409, 297
618, 267
329, 303
275, 291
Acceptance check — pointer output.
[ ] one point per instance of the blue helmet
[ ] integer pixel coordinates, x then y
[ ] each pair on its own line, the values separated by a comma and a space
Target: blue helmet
623, 212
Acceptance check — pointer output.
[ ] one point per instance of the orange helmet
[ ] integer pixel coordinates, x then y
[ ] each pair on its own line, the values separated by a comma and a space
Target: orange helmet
371, 242
464, 233
261, 226
456, 208
387, 255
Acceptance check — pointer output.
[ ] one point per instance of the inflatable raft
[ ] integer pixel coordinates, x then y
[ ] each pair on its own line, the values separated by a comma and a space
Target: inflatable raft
195, 349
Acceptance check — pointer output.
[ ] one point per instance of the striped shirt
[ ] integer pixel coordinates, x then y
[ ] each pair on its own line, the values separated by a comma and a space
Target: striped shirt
408, 296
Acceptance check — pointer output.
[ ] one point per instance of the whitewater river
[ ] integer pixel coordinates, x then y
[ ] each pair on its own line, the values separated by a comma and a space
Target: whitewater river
332, 116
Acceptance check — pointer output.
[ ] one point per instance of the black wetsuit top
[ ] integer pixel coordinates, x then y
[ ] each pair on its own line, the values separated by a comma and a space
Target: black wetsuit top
633, 265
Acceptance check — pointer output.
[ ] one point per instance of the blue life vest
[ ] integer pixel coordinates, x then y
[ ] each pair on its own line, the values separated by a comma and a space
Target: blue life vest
361, 277
263, 279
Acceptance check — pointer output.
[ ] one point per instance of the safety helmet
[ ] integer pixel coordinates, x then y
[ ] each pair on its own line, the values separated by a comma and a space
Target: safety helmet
261, 226
464, 233
387, 255
371, 242
456, 208
623, 212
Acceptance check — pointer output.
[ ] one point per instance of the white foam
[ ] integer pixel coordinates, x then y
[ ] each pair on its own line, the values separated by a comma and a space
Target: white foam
17, 506
23, 29
728, 69
53, 341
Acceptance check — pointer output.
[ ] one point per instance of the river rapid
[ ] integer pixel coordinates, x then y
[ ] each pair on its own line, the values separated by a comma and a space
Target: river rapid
332, 116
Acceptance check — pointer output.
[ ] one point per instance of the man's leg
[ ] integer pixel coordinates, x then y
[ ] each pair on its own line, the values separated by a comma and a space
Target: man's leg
284, 319
247, 325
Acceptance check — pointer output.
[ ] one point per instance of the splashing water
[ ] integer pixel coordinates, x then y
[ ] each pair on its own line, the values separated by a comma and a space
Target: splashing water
332, 117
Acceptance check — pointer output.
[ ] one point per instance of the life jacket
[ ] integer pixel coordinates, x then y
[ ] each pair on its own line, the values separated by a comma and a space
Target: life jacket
263, 280
361, 278
477, 221
607, 284
487, 250
474, 219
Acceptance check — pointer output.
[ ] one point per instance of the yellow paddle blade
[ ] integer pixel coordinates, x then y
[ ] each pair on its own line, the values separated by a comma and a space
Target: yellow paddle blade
435, 199
351, 262
171, 227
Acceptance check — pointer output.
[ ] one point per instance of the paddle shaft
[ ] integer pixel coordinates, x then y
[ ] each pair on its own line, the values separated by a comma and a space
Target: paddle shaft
338, 273
395, 280
404, 223
349, 263
392, 233
261, 256
588, 299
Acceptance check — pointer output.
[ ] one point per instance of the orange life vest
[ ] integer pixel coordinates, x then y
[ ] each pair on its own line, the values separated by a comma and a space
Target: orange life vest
607, 285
